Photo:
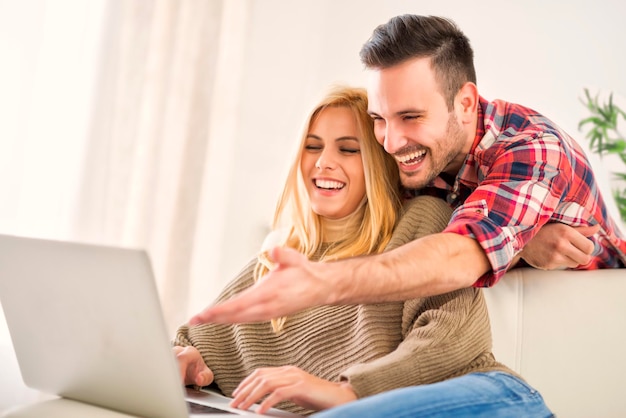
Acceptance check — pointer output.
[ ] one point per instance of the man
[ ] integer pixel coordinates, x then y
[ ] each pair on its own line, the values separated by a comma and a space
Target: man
507, 169
512, 176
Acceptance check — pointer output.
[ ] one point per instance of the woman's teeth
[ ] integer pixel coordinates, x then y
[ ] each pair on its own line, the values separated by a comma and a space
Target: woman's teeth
329, 184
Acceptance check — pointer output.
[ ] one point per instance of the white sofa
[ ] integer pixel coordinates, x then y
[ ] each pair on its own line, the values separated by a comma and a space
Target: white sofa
564, 331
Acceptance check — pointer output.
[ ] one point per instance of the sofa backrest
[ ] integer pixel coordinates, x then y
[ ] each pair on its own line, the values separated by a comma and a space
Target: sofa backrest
565, 332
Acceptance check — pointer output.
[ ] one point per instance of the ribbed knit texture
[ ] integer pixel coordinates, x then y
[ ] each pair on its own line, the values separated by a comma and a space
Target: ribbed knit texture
376, 347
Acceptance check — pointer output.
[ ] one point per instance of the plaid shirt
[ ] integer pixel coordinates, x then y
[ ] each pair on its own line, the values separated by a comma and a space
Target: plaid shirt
521, 173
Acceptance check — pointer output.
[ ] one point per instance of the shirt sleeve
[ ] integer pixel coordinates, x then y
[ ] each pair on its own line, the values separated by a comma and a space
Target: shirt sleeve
521, 188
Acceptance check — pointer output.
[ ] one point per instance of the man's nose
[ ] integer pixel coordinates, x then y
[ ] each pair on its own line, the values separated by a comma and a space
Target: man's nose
394, 139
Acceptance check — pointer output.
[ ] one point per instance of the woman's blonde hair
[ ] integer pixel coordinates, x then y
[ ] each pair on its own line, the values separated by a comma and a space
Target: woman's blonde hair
380, 209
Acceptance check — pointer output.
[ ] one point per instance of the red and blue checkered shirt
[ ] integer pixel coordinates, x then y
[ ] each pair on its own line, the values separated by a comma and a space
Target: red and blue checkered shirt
522, 172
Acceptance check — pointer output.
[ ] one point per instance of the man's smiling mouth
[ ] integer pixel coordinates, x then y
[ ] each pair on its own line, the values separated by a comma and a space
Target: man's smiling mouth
411, 158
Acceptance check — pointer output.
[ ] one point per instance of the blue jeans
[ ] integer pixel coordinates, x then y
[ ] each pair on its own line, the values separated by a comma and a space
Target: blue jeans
493, 394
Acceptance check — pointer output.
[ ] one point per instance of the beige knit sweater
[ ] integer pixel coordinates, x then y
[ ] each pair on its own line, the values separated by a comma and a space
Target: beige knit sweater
376, 347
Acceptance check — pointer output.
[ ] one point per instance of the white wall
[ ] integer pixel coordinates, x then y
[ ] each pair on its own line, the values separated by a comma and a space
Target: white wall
48, 55
538, 53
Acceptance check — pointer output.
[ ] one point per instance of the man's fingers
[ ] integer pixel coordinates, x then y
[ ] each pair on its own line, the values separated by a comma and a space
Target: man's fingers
285, 257
251, 305
230, 311
588, 231
580, 255
288, 288
202, 317
558, 245
583, 247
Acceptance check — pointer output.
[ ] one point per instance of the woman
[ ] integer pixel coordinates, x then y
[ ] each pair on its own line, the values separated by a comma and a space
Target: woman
341, 200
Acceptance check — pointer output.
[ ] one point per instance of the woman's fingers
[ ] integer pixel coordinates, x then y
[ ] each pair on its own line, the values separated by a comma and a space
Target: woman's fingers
277, 384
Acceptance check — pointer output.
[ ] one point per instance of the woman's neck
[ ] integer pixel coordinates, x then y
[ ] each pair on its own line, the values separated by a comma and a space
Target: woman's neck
334, 230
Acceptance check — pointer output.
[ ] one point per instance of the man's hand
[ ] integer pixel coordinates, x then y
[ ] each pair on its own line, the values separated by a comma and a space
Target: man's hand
193, 369
293, 384
557, 245
291, 287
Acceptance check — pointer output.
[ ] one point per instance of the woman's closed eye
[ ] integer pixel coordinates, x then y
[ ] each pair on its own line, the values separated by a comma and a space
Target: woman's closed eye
313, 147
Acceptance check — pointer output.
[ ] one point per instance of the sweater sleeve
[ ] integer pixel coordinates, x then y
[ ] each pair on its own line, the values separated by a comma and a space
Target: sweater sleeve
442, 335
447, 333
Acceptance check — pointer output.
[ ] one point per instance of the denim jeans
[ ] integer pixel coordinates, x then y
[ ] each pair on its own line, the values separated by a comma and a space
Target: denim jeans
493, 394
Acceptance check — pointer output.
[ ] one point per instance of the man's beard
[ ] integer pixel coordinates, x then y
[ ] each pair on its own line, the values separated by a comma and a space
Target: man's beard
415, 180
454, 138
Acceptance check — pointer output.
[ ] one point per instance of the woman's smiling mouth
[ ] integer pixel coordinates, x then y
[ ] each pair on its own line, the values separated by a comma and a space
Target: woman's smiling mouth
329, 184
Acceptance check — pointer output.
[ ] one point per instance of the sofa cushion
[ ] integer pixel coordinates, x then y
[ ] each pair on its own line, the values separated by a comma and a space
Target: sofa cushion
565, 332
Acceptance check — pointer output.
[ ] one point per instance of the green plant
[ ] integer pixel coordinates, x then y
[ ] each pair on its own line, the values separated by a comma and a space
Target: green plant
605, 137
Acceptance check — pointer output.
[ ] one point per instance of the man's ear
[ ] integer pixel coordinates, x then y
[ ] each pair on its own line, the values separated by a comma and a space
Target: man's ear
466, 103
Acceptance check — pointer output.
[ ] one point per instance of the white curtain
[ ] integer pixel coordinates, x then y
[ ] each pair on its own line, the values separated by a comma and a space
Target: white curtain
109, 111
158, 92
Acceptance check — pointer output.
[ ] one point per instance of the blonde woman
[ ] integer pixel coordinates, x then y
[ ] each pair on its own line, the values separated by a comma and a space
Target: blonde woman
340, 200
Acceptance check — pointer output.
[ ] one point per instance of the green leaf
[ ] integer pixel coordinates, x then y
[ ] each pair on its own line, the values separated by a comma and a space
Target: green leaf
604, 137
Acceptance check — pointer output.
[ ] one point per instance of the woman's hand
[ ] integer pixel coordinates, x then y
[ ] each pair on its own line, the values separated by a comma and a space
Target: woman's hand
292, 384
193, 369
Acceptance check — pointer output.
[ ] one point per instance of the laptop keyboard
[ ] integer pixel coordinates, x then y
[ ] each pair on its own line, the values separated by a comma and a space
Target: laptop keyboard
196, 408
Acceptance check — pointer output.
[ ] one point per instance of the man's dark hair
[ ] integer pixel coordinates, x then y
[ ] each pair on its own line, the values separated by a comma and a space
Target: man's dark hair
412, 36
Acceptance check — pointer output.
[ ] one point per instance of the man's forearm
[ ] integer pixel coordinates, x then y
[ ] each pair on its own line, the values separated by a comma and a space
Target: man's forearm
434, 264
431, 265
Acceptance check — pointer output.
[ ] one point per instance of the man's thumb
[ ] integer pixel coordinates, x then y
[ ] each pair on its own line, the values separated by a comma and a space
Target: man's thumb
588, 230
283, 257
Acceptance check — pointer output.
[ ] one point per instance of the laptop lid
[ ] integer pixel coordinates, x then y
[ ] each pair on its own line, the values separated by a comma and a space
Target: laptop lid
86, 324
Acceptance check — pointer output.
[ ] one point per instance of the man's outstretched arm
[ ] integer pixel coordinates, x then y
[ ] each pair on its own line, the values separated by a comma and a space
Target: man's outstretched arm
431, 265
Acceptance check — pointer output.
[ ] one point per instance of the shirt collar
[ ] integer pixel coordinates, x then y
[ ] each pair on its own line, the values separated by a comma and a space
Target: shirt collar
480, 125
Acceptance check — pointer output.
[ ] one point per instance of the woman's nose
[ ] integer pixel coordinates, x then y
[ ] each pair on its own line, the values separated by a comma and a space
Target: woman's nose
325, 161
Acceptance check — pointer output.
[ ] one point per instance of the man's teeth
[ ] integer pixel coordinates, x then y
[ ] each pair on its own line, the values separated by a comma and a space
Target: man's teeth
410, 157
329, 184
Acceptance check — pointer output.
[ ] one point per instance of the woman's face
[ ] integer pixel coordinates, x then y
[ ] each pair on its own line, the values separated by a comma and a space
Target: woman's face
331, 164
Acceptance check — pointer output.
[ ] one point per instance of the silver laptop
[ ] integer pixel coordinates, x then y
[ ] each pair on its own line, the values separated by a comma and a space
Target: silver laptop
86, 325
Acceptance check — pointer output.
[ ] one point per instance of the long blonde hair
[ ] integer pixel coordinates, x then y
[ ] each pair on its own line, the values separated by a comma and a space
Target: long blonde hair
380, 210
